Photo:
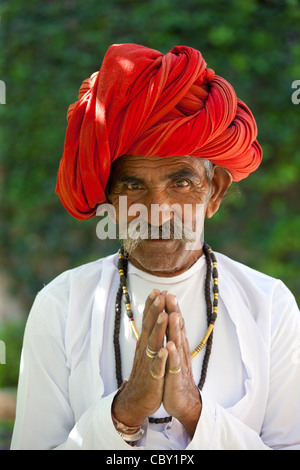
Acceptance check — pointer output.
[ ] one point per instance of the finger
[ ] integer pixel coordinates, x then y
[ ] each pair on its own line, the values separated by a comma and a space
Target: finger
158, 366
157, 336
176, 334
171, 303
174, 329
151, 314
151, 297
155, 307
174, 363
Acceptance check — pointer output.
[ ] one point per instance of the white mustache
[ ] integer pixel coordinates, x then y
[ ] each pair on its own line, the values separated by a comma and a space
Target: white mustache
170, 230
168, 223
173, 229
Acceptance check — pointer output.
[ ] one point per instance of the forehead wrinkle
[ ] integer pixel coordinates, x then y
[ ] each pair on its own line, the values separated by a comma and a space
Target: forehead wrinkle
181, 173
146, 169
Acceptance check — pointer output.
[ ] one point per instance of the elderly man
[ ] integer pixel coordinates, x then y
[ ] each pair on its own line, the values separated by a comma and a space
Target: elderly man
119, 353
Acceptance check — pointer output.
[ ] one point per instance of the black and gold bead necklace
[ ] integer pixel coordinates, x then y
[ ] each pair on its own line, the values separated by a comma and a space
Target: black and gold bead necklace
211, 313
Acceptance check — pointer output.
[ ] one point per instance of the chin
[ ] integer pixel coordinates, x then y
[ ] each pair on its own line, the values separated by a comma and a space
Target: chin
158, 256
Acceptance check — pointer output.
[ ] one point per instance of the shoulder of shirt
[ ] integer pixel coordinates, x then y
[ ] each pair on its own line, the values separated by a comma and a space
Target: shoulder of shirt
87, 275
252, 281
60, 299
85, 278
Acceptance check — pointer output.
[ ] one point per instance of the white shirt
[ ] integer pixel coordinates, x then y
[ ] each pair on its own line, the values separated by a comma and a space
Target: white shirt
251, 398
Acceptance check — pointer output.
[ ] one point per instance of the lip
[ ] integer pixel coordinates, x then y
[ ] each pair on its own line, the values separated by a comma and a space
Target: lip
159, 240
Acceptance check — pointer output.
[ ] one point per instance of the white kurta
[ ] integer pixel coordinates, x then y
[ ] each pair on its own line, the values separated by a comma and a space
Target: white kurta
251, 398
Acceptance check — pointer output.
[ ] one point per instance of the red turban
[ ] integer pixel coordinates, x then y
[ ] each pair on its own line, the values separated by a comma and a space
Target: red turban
142, 102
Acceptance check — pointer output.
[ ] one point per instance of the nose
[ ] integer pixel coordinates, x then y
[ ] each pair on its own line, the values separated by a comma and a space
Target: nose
160, 214
159, 207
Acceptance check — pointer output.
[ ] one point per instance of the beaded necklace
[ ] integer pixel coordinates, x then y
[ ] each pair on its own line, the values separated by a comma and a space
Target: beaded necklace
211, 313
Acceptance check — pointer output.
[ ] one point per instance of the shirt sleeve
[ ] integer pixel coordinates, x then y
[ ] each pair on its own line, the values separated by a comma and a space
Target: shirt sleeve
218, 429
44, 417
95, 430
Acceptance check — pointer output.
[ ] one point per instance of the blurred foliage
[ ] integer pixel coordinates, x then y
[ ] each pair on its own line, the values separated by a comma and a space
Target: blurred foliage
49, 47
6, 430
11, 333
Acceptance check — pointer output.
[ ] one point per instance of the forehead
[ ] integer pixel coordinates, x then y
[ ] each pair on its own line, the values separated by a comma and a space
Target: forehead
159, 167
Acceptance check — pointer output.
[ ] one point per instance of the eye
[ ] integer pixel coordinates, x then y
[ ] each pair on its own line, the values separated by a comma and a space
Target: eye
182, 183
133, 186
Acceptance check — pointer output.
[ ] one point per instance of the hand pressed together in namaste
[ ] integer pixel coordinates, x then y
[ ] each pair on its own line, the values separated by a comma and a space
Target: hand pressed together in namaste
160, 374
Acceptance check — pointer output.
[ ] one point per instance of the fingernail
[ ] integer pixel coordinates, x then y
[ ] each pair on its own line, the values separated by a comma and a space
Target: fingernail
160, 353
156, 301
153, 294
175, 300
159, 319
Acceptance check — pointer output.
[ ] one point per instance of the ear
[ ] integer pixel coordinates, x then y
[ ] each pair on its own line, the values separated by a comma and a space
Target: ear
107, 193
220, 182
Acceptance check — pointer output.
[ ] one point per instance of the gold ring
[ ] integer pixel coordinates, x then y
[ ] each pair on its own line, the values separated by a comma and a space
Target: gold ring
150, 353
155, 376
174, 371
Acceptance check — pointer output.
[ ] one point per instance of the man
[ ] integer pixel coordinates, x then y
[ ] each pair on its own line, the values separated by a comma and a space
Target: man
119, 353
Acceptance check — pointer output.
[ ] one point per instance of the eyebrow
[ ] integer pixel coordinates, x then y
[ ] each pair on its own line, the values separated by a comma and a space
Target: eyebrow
129, 179
183, 173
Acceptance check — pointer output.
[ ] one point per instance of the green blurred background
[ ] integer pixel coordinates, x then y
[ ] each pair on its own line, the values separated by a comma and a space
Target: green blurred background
49, 47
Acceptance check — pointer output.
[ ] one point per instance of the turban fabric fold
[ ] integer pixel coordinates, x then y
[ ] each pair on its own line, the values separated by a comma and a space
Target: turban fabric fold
142, 102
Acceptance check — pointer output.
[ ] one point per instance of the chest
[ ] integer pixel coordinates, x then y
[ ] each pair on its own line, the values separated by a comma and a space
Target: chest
225, 371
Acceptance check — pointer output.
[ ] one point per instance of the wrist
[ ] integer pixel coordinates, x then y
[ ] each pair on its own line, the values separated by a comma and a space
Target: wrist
130, 434
122, 410
191, 416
